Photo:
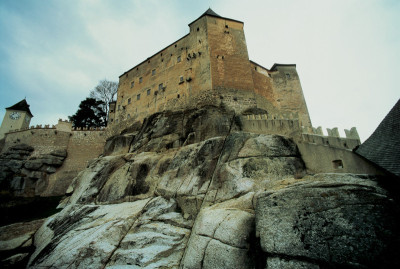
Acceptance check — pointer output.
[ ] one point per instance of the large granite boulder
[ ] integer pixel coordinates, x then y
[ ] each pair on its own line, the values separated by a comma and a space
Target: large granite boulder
341, 221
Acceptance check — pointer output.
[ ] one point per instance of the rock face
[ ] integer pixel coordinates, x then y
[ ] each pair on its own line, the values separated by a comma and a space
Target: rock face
23, 175
190, 190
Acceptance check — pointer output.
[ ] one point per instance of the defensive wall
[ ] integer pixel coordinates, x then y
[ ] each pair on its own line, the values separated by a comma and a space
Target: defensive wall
321, 153
82, 145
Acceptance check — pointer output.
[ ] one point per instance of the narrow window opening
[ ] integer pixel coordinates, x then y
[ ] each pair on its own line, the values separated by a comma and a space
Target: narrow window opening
132, 84
153, 72
148, 91
160, 86
179, 59
129, 116
175, 45
226, 26
148, 62
178, 96
180, 79
198, 29
119, 107
129, 101
140, 79
337, 164
138, 97
287, 75
161, 54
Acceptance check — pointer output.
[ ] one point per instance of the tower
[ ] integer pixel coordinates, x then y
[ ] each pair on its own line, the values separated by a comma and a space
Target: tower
17, 117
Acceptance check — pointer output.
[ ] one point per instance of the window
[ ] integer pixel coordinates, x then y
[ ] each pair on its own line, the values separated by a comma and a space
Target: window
129, 116
153, 72
138, 97
112, 120
129, 101
181, 79
140, 80
198, 29
119, 107
179, 59
132, 84
160, 86
287, 75
148, 91
116, 120
337, 164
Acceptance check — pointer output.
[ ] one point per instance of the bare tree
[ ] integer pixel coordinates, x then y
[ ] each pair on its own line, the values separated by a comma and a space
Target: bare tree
105, 91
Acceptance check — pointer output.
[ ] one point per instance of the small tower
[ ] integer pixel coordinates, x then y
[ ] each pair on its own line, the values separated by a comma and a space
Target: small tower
17, 117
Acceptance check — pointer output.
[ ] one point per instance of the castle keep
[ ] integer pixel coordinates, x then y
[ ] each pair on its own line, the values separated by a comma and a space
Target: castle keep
209, 66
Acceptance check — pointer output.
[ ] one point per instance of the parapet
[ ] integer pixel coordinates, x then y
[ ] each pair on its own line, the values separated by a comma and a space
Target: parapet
333, 139
64, 125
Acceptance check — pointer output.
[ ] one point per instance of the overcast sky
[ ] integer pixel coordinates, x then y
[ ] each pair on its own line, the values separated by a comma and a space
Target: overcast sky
347, 51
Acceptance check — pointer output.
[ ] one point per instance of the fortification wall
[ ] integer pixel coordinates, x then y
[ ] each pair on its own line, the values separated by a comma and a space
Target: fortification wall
83, 146
44, 140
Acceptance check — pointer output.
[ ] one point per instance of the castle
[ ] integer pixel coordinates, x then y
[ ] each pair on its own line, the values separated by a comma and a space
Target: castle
209, 66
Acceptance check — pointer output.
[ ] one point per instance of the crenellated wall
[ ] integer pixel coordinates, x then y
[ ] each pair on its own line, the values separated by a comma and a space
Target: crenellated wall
82, 145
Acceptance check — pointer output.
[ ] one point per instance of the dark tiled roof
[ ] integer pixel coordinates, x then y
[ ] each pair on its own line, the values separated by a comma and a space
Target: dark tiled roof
211, 13
21, 106
382, 147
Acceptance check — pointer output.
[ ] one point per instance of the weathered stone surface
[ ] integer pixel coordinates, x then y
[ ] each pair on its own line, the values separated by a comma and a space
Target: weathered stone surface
15, 235
342, 220
220, 239
19, 171
184, 190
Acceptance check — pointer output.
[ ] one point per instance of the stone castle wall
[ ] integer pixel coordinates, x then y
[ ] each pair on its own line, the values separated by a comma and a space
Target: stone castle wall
82, 145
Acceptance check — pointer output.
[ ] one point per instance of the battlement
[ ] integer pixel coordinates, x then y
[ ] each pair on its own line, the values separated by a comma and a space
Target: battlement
333, 139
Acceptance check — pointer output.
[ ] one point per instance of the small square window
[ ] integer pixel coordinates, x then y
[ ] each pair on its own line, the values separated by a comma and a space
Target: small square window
129, 101
132, 84
160, 86
153, 72
138, 97
148, 92
179, 59
337, 164
181, 79
140, 80
287, 75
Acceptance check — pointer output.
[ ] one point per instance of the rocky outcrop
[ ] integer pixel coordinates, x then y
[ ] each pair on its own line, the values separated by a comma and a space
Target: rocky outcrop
187, 190
329, 220
16, 243
24, 175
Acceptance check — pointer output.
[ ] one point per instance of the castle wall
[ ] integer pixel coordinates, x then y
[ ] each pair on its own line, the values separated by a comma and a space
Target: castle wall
263, 83
230, 66
326, 159
43, 140
81, 145
168, 79
288, 92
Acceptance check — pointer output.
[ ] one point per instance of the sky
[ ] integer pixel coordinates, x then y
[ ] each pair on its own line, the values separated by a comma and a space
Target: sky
347, 52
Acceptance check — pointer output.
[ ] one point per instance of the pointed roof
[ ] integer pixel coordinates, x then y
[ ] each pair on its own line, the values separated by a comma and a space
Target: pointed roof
21, 106
381, 147
211, 13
